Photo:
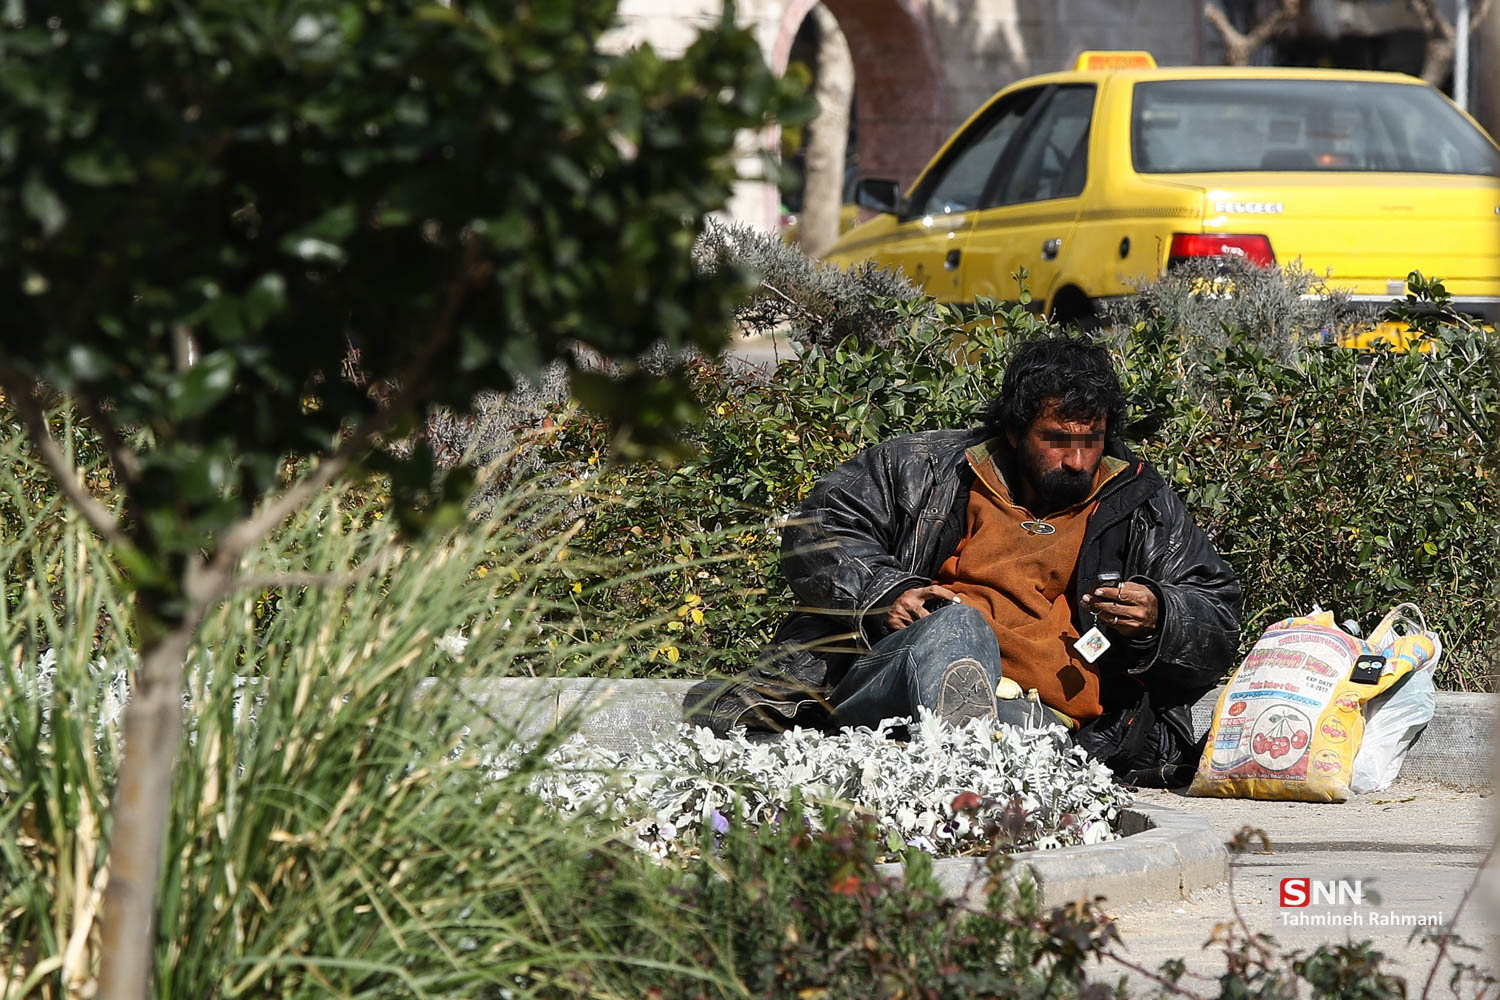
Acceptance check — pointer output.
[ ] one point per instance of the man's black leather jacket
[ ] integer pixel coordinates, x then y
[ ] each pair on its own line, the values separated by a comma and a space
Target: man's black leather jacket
885, 521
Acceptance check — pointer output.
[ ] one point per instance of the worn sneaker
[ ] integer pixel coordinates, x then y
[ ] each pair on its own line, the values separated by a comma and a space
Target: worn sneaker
1024, 713
964, 693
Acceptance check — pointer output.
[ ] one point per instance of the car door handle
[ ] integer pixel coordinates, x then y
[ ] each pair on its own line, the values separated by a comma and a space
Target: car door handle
1050, 248
950, 262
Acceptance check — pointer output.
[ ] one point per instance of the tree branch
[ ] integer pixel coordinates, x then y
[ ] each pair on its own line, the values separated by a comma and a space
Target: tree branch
1159, 979
1434, 24
22, 391
241, 535
806, 312
1477, 14
127, 466
1233, 41
1239, 47
1216, 17
1275, 24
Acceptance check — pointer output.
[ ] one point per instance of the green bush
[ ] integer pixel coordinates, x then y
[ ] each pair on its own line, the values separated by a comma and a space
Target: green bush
1356, 480
762, 446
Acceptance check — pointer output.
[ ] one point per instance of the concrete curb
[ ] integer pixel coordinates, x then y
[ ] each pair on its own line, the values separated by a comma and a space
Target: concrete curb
1166, 855
614, 714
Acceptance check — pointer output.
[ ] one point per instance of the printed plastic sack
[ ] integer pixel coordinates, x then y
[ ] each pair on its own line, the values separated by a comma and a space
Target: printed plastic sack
1395, 719
1288, 724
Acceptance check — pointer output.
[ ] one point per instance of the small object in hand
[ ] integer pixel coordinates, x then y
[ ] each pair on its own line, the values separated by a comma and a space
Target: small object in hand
934, 603
1092, 644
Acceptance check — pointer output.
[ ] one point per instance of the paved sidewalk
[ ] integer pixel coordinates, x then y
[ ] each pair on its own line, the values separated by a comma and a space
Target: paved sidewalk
1417, 845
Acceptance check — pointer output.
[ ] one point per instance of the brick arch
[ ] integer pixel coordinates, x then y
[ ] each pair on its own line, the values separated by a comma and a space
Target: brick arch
898, 75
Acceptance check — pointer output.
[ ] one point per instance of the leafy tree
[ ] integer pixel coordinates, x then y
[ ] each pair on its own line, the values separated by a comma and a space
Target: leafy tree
213, 214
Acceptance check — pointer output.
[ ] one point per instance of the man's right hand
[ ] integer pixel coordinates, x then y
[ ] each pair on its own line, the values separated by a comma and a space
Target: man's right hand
912, 605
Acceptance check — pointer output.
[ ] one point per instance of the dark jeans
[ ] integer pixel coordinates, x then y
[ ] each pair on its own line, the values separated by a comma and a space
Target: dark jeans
905, 670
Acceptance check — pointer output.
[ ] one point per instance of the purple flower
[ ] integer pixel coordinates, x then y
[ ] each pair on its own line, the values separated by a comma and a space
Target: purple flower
719, 822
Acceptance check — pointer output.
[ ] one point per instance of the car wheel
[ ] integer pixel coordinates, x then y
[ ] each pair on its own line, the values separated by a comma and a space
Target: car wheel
1070, 307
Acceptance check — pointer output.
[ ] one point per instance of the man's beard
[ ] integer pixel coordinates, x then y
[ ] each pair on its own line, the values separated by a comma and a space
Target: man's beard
1057, 489
1062, 488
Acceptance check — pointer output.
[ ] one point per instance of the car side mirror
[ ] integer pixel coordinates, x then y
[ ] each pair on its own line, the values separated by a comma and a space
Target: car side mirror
878, 195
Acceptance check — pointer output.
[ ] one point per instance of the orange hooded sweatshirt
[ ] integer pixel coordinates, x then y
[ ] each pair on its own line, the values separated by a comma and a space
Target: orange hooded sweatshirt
1020, 580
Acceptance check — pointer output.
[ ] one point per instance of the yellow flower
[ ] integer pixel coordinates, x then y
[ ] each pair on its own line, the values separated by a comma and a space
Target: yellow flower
594, 458
577, 587
482, 572
562, 554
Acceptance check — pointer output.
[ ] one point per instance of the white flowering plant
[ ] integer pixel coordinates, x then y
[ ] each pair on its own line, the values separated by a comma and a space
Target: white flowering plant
946, 790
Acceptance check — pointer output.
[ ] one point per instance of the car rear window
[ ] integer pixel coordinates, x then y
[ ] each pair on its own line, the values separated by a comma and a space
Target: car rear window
1209, 126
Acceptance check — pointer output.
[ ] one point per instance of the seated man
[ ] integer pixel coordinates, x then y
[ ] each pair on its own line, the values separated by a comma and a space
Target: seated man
1036, 548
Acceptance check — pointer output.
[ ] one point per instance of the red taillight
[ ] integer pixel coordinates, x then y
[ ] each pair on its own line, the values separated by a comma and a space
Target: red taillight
1256, 249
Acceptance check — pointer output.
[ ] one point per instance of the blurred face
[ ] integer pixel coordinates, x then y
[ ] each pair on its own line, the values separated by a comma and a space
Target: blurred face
1057, 458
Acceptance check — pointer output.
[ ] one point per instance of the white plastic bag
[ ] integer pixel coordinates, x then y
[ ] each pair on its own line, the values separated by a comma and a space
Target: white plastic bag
1394, 719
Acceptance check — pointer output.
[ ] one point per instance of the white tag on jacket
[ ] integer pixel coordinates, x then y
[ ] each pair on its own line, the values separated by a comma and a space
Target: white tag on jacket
1092, 644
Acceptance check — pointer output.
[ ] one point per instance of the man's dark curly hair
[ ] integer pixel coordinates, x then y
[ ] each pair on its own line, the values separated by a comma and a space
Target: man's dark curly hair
1073, 369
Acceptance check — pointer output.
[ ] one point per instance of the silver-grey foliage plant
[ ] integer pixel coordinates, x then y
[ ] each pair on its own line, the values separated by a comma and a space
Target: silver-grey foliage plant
1283, 308
809, 301
1043, 792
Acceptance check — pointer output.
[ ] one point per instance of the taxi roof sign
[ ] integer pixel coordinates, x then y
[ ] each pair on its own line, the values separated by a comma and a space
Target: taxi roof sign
1101, 59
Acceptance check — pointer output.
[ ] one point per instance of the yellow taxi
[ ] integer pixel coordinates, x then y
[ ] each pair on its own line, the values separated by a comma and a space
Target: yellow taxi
1096, 179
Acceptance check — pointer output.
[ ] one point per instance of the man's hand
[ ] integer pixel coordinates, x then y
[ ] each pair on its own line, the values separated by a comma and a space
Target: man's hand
910, 605
1129, 609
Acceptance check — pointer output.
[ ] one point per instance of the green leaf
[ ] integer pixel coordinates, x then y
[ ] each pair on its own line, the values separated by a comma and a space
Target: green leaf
334, 226
99, 168
43, 204
87, 363
198, 389
309, 249
438, 13
265, 300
